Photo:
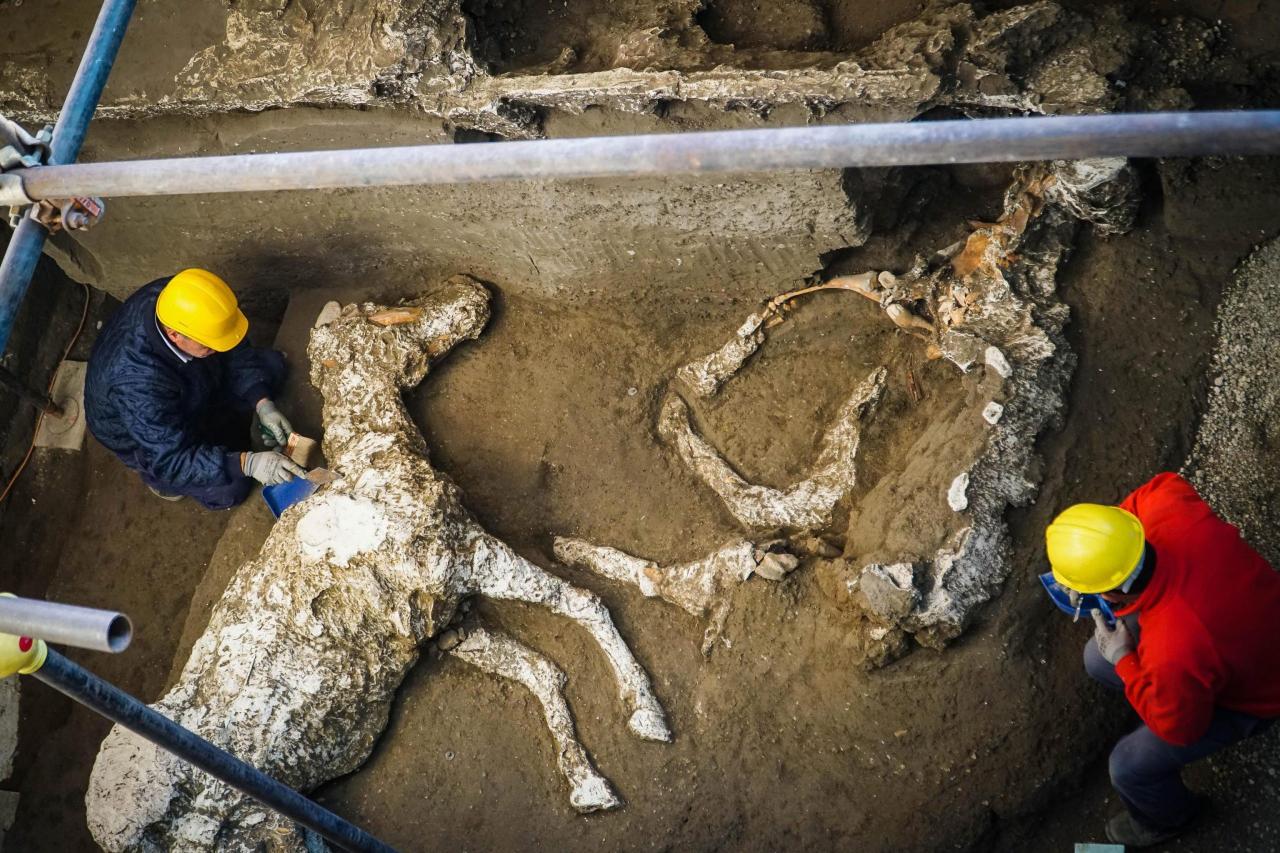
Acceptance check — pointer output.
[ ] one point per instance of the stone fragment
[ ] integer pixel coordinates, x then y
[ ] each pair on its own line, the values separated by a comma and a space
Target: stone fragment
889, 591
775, 567
996, 360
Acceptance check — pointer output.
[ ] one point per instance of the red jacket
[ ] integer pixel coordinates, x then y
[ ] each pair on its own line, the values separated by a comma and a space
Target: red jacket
1208, 618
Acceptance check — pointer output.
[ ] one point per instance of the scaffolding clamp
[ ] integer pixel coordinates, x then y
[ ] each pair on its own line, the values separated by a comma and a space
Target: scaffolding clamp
78, 213
12, 191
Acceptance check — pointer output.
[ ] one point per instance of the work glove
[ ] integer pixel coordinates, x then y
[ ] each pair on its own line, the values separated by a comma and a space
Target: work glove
1114, 642
275, 426
270, 467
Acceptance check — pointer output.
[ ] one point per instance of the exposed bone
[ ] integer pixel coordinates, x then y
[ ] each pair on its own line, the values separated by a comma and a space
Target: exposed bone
502, 655
302, 656
395, 316
378, 53
904, 319
879, 287
702, 587
866, 283
807, 505
704, 376
995, 305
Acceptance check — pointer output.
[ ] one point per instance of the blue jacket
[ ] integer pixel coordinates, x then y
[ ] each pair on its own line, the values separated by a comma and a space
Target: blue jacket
146, 405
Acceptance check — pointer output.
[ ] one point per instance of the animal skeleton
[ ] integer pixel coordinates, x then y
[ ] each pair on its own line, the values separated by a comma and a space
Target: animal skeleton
302, 656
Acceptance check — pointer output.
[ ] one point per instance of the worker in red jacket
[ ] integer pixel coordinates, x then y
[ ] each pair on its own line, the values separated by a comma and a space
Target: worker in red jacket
1194, 646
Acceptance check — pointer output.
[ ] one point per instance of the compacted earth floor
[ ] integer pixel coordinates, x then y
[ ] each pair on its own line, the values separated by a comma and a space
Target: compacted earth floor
783, 740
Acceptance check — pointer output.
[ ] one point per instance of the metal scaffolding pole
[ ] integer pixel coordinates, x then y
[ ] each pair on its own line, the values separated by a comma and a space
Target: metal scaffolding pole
840, 146
27, 240
113, 703
82, 627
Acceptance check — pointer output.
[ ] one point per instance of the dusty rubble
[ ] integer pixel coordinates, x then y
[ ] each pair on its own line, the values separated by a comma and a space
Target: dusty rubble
1040, 57
1232, 461
303, 653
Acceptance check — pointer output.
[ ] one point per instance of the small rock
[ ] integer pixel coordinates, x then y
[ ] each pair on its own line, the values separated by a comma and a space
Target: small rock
956, 497
996, 361
889, 590
992, 413
450, 640
815, 546
775, 567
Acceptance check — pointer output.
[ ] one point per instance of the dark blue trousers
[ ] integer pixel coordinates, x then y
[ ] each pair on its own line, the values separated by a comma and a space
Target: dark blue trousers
1147, 771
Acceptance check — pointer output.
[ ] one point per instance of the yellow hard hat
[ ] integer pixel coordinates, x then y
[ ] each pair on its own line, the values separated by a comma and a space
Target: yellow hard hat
200, 305
1093, 548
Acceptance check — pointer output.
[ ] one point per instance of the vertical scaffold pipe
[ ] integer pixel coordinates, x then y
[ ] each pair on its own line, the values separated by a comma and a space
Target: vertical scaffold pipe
113, 703
27, 241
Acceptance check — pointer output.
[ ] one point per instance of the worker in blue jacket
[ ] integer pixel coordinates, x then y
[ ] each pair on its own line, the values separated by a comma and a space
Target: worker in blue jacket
172, 386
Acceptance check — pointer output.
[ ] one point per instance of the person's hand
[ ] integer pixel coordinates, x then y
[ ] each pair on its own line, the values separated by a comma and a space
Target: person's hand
275, 426
270, 467
1114, 642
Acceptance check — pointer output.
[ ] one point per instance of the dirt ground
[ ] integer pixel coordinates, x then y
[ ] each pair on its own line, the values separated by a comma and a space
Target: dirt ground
782, 739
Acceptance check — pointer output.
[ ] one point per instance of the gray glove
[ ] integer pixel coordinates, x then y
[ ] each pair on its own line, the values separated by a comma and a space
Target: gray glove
275, 426
1113, 642
270, 467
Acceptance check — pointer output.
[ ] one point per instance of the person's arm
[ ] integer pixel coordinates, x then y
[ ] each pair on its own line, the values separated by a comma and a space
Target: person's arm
249, 374
167, 448
1173, 692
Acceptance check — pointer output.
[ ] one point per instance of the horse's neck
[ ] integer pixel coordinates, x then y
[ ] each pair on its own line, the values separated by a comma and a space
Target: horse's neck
363, 418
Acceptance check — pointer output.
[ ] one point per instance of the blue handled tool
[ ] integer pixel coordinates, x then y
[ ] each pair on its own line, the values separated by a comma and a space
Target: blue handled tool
281, 496
1086, 603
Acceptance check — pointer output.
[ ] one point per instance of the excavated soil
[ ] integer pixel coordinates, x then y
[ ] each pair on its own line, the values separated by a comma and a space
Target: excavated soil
782, 739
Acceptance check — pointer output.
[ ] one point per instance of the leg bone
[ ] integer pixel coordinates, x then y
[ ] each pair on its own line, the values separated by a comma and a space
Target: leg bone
705, 375
807, 505
700, 587
499, 572
502, 655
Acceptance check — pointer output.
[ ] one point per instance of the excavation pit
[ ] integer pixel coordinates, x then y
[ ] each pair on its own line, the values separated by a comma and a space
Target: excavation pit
808, 723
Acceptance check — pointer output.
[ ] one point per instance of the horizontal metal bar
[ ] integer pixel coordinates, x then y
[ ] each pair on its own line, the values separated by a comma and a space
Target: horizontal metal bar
113, 703
82, 627
859, 145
